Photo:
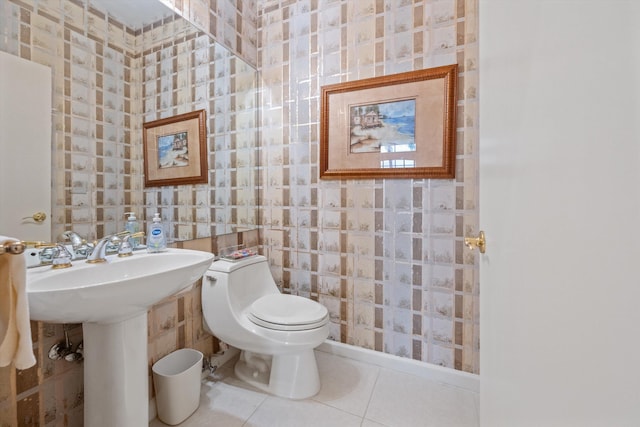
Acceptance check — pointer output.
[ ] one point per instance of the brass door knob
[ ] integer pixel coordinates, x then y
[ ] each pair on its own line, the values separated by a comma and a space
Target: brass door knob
37, 217
476, 242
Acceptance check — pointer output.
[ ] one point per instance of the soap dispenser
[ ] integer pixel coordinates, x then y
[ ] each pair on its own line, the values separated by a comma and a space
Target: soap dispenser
156, 239
132, 226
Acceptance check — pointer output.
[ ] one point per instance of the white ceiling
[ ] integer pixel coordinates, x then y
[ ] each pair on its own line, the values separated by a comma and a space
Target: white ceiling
133, 13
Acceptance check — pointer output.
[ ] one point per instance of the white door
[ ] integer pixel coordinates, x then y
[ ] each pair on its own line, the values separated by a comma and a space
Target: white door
560, 205
25, 148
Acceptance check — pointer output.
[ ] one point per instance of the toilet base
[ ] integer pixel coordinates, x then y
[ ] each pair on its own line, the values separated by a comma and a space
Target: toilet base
294, 376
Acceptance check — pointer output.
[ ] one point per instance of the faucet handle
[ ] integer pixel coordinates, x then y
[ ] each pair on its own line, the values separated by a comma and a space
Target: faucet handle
60, 256
125, 248
63, 257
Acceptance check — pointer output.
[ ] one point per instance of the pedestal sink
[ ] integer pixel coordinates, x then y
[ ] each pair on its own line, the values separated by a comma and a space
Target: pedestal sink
111, 301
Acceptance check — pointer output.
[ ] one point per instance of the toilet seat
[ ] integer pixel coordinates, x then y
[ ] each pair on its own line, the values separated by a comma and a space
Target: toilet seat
287, 313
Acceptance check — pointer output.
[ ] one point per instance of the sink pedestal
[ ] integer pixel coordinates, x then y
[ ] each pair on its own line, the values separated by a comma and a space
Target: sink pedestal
116, 373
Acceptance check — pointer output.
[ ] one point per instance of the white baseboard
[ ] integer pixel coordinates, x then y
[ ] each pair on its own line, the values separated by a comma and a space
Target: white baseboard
465, 380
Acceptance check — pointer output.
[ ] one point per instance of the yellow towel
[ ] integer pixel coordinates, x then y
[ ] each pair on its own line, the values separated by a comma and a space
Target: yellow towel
15, 328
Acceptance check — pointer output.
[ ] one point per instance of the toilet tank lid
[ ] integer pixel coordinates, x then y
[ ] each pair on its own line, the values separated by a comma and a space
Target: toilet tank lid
224, 265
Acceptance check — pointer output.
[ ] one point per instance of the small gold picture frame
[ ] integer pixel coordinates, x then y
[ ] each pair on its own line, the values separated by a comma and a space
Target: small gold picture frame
175, 150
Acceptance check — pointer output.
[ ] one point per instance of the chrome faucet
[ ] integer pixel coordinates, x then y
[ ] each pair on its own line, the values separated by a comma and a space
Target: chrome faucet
99, 252
118, 241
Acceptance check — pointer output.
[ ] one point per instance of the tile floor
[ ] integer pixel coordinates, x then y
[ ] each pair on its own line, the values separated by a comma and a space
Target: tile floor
352, 394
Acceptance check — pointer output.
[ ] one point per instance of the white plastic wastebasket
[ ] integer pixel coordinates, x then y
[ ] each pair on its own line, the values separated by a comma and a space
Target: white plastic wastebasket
176, 378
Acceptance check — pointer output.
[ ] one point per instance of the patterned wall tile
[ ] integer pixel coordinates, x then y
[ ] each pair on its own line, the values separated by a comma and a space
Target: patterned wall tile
233, 23
388, 251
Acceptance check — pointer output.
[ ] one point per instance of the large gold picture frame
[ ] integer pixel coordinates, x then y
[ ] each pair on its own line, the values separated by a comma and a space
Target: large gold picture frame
396, 126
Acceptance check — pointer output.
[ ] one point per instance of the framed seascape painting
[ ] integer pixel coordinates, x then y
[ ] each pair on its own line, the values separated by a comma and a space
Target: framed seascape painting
175, 150
397, 126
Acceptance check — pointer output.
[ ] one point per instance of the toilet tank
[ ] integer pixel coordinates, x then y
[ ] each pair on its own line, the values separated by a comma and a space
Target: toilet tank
245, 280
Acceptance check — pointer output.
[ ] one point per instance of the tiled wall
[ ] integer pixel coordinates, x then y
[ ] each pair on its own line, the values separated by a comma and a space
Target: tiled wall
183, 71
385, 256
50, 391
233, 23
108, 80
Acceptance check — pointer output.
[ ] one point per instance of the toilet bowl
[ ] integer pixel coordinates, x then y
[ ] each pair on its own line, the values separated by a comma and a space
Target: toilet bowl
275, 332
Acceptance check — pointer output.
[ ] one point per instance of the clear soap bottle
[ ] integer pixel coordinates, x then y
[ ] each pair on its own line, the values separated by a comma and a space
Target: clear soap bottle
156, 239
132, 226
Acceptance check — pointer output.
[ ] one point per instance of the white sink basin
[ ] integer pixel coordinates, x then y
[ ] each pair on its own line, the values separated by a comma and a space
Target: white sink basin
112, 291
111, 301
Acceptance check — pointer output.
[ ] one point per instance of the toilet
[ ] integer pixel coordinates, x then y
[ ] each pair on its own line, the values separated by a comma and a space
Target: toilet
275, 332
